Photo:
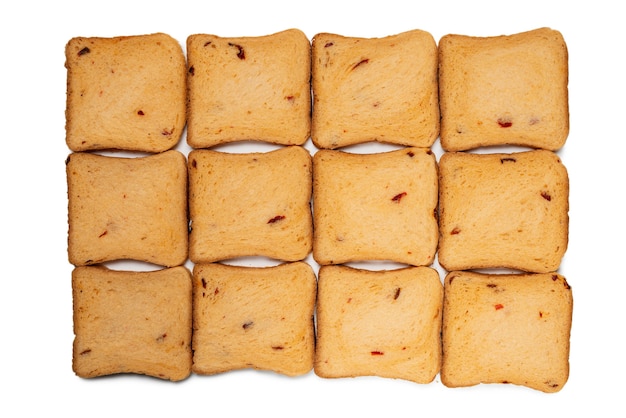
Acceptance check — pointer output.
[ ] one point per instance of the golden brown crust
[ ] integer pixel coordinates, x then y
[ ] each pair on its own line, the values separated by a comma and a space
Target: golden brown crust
506, 329
375, 206
504, 90
127, 208
126, 92
252, 204
132, 322
261, 318
379, 323
503, 211
249, 88
374, 89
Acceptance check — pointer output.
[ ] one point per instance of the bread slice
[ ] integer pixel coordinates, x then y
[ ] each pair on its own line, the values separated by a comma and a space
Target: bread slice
251, 204
132, 322
254, 317
503, 211
126, 92
375, 206
127, 208
379, 323
249, 88
374, 89
506, 329
509, 89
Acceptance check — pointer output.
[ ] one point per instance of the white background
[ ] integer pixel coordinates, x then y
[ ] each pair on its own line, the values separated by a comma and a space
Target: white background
35, 297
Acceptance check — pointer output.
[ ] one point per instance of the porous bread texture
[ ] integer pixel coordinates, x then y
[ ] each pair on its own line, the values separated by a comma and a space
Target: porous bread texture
374, 89
501, 328
499, 210
254, 317
504, 90
375, 207
249, 89
379, 323
503, 210
127, 208
250, 204
132, 322
127, 93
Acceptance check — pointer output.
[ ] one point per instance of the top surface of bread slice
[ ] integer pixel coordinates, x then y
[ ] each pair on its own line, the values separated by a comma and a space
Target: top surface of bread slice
252, 204
375, 206
503, 211
374, 89
249, 88
127, 208
379, 323
125, 93
132, 322
506, 328
500, 90
249, 317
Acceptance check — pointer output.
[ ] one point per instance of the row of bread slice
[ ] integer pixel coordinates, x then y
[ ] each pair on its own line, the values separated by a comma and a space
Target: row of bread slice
473, 210
400, 324
140, 92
